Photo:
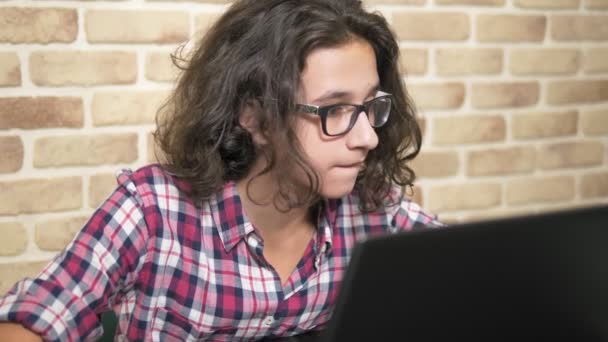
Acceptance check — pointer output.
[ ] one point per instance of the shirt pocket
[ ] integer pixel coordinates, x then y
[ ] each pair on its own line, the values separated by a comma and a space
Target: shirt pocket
169, 325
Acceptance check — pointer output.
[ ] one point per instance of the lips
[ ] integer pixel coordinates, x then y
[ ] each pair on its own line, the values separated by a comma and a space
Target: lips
357, 165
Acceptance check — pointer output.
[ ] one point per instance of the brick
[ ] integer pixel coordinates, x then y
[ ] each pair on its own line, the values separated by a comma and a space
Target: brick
596, 60
500, 95
55, 235
63, 68
437, 95
595, 122
126, 108
449, 219
151, 148
540, 189
204, 21
422, 123
495, 214
100, 187
579, 27
570, 154
553, 207
38, 25
451, 26
594, 185
41, 112
548, 4
416, 195
468, 129
596, 4
542, 125
10, 69
544, 61
130, 26
414, 61
511, 28
463, 61
464, 197
501, 161
40, 195
11, 150
471, 2
154, 153
12, 272
436, 164
14, 241
85, 150
160, 67
574, 91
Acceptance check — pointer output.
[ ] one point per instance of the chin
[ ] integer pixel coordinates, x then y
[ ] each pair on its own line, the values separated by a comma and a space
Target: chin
334, 190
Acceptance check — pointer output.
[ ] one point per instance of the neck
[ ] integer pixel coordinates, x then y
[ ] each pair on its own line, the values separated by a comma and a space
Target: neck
258, 200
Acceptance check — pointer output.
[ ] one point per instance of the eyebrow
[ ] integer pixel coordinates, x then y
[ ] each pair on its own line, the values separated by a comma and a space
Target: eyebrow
336, 94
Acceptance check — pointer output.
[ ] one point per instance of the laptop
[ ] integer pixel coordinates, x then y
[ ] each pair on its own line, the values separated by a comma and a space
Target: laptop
531, 278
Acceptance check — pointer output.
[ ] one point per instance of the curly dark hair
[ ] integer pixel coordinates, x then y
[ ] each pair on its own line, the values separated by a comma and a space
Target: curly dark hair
256, 51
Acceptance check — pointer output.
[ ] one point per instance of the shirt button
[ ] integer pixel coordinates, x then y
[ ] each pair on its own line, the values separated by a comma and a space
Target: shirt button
268, 321
317, 262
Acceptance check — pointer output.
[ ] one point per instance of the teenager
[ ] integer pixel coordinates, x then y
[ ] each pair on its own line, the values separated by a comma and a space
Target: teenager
286, 140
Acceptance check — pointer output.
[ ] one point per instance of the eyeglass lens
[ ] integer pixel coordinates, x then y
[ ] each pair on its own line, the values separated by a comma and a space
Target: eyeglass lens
339, 118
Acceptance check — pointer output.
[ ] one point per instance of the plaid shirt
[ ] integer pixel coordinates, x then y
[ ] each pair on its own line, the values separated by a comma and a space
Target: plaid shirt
175, 271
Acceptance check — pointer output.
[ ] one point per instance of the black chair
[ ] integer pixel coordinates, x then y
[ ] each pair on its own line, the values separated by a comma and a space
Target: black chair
109, 321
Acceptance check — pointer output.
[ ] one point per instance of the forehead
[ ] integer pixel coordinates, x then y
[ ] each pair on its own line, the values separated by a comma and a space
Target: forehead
348, 69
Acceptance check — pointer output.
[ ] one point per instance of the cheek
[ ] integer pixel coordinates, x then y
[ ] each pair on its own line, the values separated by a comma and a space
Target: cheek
322, 153
316, 146
337, 183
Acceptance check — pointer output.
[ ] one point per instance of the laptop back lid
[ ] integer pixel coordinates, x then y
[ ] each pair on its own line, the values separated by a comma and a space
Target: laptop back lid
530, 278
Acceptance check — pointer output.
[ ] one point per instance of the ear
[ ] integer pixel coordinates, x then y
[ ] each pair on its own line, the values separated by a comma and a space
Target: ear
249, 121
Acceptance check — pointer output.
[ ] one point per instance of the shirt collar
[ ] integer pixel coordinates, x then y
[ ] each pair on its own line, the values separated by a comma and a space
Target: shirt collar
326, 222
233, 225
230, 219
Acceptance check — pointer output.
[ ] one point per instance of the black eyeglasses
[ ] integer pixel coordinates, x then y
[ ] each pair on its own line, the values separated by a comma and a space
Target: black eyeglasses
339, 119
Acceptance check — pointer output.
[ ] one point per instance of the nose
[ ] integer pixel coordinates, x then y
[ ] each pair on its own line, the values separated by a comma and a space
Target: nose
362, 135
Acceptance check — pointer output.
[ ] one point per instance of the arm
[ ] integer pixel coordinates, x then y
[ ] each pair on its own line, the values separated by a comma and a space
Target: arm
63, 301
13, 332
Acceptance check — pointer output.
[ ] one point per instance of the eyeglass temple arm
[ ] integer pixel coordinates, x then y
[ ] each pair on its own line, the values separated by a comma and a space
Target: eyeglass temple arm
308, 109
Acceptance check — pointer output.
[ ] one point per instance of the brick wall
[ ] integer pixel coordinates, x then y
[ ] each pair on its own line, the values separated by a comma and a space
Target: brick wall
513, 96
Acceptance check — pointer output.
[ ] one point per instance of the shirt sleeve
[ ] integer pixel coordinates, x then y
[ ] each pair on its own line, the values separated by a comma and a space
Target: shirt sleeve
63, 301
407, 215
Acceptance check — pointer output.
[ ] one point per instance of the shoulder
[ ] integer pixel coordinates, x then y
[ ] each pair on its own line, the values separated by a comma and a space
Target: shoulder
406, 214
399, 211
152, 175
152, 181
164, 200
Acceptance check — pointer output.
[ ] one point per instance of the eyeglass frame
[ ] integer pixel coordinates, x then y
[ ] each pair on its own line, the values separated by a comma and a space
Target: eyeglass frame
323, 110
